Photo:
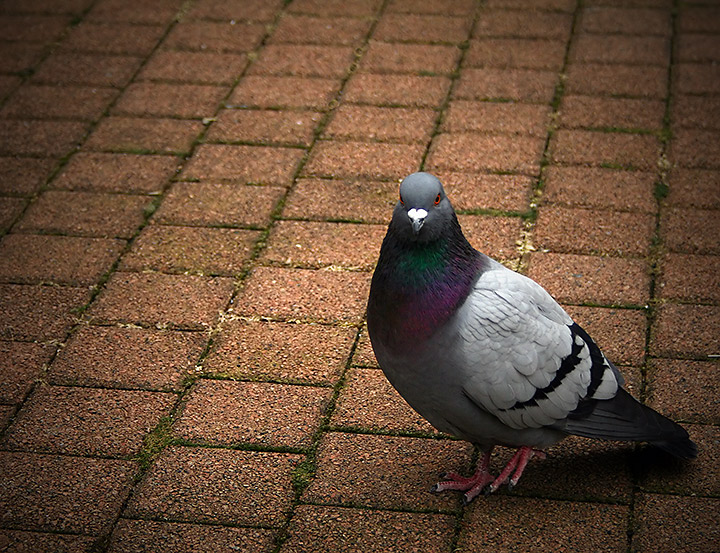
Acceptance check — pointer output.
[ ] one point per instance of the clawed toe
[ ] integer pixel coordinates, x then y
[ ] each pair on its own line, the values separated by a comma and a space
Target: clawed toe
482, 481
515, 467
451, 475
472, 486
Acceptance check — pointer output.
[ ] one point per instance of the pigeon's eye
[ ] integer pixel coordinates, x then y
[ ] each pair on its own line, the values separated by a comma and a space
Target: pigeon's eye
437, 199
401, 200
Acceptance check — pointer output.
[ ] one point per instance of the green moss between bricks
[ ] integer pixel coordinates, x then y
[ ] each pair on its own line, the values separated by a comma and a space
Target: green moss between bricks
154, 442
303, 474
661, 191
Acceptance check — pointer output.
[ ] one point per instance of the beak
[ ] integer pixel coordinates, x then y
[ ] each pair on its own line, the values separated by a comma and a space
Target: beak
417, 218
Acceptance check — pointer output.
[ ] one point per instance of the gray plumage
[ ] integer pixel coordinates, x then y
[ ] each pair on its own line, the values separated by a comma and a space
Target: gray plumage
485, 353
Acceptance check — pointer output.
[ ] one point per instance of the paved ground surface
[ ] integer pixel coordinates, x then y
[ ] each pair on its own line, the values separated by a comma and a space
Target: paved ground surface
193, 195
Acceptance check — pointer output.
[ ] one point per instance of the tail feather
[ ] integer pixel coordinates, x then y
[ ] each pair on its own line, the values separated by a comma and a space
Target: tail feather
624, 418
682, 448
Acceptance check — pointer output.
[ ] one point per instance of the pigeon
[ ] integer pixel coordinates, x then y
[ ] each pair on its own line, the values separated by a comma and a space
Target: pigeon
486, 354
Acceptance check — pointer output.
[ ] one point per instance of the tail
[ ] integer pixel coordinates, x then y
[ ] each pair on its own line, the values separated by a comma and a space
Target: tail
624, 418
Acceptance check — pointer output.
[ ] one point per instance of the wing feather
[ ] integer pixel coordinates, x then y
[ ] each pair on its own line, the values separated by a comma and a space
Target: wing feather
528, 363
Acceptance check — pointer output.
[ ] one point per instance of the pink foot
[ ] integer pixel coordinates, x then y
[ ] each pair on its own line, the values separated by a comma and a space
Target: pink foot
472, 486
479, 481
515, 466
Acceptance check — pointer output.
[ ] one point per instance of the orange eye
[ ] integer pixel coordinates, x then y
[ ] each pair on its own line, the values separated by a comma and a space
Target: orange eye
401, 201
437, 200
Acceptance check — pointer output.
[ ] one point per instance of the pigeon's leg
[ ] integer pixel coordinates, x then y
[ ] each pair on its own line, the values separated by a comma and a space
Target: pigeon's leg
515, 466
473, 485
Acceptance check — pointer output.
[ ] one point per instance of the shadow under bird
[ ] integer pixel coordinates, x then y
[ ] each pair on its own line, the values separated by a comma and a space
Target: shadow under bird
486, 354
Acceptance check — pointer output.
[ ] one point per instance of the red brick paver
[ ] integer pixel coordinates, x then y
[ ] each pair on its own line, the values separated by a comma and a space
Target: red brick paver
131, 135
85, 214
192, 199
39, 312
307, 353
62, 68
23, 176
92, 490
86, 421
245, 164
201, 250
397, 90
360, 469
33, 259
291, 92
305, 294
265, 127
277, 415
217, 204
49, 102
565, 525
140, 535
217, 486
310, 244
23, 363
130, 173
183, 301
318, 528
118, 357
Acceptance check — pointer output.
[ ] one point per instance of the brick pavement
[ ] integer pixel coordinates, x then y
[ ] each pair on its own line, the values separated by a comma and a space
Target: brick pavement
192, 198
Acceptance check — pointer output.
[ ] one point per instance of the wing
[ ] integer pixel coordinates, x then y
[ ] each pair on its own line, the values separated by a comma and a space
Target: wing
528, 363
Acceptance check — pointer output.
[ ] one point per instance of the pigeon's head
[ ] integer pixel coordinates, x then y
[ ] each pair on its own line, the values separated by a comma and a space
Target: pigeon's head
423, 210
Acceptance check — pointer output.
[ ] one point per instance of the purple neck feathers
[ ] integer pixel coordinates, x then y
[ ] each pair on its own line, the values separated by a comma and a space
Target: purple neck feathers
417, 286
